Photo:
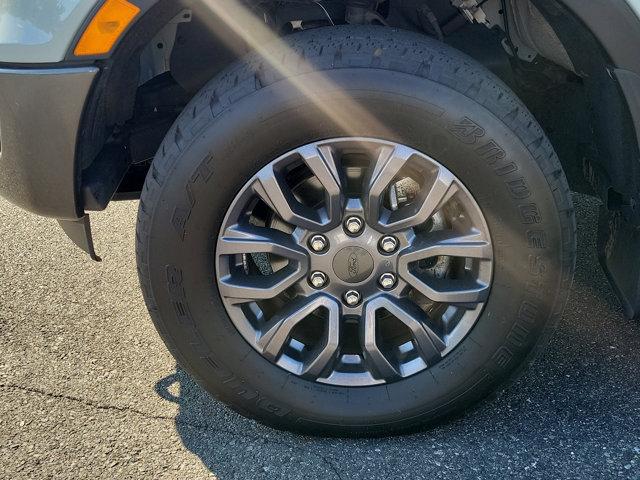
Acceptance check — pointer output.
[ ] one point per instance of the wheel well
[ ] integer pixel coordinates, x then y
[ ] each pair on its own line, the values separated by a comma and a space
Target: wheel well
607, 137
136, 100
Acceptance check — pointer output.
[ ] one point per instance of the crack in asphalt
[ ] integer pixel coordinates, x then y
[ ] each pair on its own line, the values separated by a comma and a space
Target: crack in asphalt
198, 426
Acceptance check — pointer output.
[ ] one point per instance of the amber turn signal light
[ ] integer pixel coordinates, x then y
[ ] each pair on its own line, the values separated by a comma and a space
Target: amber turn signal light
107, 26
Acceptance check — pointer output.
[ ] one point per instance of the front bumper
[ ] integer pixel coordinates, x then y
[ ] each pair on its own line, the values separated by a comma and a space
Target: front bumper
40, 117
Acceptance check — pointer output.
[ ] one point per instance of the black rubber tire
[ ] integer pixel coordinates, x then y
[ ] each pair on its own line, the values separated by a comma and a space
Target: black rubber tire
437, 101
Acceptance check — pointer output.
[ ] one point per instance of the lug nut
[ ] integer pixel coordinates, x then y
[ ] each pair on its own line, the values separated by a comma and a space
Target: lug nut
387, 281
318, 279
318, 243
389, 244
354, 225
352, 298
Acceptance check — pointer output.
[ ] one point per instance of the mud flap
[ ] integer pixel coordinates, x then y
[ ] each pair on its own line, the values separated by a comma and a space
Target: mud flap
79, 231
619, 255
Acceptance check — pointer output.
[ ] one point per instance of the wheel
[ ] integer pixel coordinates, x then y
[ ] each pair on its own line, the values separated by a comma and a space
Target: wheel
364, 236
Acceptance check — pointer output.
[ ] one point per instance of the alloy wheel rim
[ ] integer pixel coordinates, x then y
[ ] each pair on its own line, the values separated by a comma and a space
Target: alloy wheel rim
417, 301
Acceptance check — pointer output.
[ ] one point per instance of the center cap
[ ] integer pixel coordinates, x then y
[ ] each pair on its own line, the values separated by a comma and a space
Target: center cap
353, 264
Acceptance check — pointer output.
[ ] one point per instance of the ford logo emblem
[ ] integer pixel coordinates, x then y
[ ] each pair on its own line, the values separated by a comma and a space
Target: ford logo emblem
353, 267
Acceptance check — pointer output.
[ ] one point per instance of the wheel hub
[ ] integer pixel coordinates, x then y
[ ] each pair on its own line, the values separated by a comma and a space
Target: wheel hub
325, 273
353, 264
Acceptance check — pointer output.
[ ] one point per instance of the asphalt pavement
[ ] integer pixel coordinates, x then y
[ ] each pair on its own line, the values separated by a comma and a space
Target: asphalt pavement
87, 389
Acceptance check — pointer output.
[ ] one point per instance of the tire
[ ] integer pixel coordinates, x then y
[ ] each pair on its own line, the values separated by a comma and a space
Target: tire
437, 101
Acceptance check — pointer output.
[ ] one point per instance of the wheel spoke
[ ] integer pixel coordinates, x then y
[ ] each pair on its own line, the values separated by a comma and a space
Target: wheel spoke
451, 291
387, 166
425, 205
446, 243
272, 188
428, 344
322, 163
249, 239
326, 353
278, 330
378, 363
